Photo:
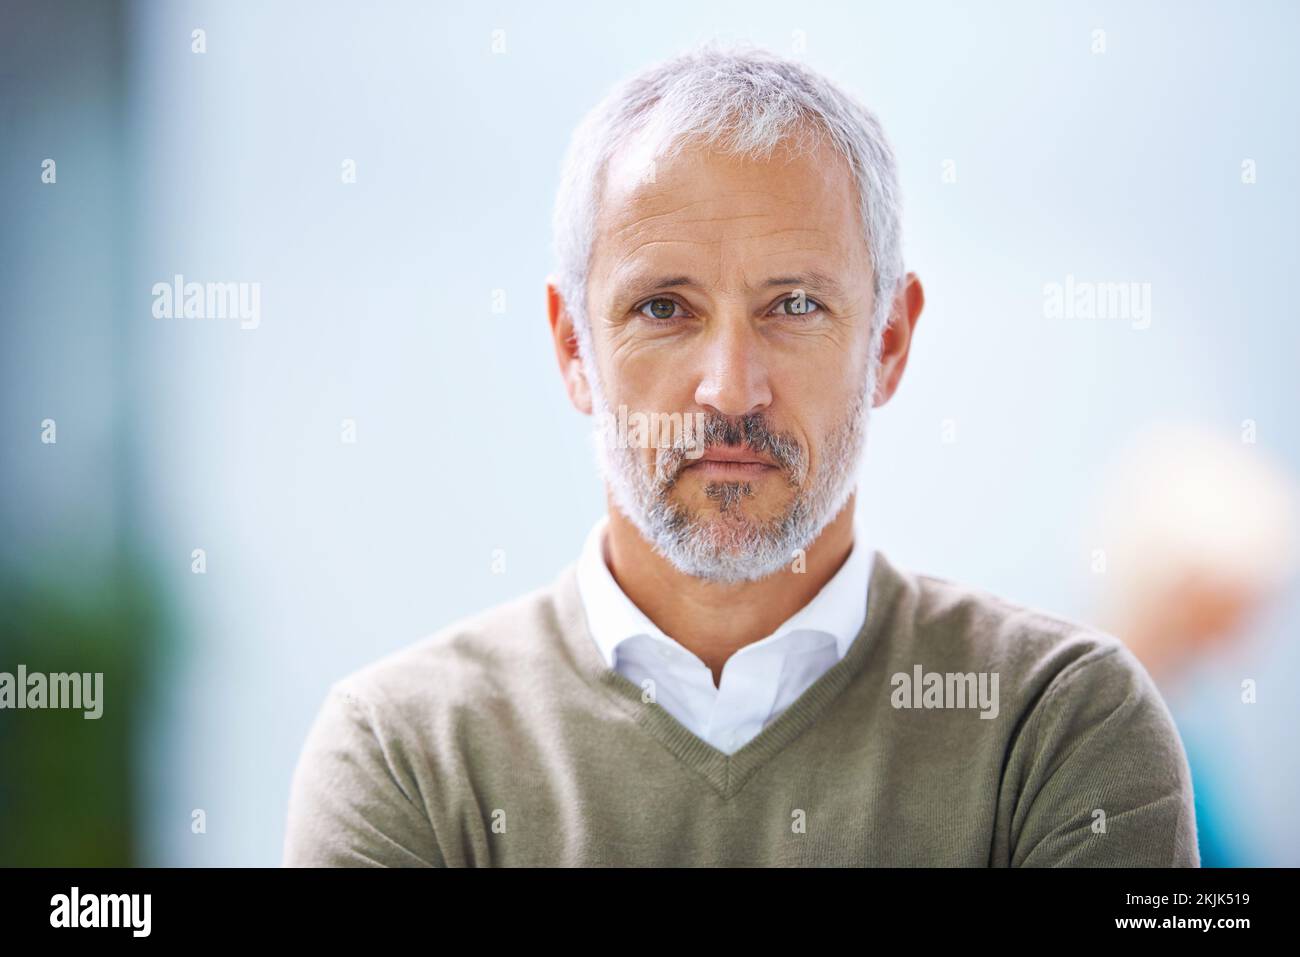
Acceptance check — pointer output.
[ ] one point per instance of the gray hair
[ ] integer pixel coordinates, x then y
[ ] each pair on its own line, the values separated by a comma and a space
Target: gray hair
740, 101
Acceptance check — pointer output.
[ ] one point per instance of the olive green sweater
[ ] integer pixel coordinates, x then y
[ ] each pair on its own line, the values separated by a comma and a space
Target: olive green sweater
959, 730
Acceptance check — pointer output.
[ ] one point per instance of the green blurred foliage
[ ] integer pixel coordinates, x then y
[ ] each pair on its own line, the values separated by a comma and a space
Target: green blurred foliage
68, 784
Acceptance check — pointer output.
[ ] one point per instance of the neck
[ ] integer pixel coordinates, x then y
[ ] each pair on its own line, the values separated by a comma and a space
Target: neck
713, 621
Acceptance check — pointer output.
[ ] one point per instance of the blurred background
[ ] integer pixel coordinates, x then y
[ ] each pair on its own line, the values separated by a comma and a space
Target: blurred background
234, 514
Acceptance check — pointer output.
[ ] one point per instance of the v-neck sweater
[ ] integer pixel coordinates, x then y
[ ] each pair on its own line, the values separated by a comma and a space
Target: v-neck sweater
959, 729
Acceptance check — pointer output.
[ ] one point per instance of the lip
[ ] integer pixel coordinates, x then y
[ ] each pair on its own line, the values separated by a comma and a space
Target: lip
732, 461
720, 469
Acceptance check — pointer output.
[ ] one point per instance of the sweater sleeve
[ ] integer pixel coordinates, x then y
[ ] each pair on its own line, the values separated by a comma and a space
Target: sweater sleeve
352, 801
1104, 776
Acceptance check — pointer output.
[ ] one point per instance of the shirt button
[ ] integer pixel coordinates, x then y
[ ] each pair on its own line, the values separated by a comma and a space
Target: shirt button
665, 653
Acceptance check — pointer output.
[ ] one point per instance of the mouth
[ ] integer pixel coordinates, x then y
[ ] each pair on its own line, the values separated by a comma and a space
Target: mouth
735, 463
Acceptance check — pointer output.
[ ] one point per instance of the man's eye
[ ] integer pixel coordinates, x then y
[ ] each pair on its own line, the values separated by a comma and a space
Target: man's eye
799, 305
660, 309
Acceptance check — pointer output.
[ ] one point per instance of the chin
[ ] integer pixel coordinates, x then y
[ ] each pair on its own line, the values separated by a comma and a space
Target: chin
734, 531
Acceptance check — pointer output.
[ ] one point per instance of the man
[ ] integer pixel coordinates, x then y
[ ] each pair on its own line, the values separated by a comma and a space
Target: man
729, 674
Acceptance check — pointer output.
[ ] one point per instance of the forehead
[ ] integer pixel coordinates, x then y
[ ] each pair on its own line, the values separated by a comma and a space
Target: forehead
728, 216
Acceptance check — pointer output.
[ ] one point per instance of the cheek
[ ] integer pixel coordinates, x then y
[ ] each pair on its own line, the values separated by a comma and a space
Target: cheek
815, 392
815, 409
650, 380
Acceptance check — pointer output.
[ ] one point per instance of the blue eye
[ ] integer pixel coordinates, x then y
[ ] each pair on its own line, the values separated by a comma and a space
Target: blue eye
655, 313
799, 305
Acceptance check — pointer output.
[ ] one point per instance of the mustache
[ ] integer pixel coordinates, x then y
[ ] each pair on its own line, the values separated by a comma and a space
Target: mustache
750, 431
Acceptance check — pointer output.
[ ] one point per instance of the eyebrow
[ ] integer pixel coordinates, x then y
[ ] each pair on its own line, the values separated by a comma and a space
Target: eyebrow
813, 280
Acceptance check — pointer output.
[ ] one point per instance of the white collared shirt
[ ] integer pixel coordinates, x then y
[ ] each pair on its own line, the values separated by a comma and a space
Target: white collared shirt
758, 682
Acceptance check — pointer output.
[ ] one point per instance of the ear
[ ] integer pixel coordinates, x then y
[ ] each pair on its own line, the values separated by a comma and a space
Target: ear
566, 349
897, 341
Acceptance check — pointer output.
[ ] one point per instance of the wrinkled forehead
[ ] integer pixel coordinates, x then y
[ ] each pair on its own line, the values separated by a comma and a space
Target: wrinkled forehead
705, 206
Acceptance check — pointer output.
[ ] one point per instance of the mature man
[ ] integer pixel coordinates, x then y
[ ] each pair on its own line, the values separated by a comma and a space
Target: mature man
729, 674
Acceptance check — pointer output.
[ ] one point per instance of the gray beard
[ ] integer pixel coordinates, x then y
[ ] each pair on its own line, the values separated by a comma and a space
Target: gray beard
732, 546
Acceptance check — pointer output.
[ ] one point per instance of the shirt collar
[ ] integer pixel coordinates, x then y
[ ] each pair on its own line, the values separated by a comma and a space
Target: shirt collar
838, 610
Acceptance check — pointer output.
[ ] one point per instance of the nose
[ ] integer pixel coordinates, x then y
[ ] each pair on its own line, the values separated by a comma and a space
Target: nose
734, 381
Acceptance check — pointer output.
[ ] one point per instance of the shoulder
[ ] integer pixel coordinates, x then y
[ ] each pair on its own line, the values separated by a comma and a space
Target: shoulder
1039, 656
472, 659
1072, 695
1092, 767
